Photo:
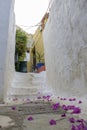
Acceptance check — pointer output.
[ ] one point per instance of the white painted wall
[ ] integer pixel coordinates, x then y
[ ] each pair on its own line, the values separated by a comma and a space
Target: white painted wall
65, 41
7, 45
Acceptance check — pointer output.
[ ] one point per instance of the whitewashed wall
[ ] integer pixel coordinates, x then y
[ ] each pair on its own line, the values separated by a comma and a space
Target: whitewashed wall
65, 41
7, 45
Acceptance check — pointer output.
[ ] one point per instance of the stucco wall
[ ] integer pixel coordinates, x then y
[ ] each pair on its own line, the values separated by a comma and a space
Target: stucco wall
7, 45
39, 45
65, 41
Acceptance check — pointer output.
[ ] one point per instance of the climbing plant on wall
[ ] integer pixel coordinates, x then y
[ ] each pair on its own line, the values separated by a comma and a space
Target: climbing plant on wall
21, 41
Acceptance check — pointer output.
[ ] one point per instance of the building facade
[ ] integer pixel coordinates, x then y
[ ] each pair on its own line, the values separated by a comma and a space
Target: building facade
65, 44
37, 50
7, 45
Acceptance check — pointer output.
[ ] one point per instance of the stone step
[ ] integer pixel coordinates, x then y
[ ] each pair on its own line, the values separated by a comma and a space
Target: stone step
21, 97
23, 91
28, 75
36, 83
29, 95
25, 87
28, 86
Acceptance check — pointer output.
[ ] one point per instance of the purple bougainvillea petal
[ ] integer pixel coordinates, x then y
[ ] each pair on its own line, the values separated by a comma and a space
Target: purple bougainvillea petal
85, 127
64, 107
73, 127
65, 99
80, 102
13, 108
72, 120
80, 126
79, 120
38, 97
70, 99
55, 106
63, 115
30, 118
52, 122
76, 110
74, 99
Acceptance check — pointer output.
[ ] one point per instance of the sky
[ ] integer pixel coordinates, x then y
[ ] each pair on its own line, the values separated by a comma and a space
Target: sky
29, 13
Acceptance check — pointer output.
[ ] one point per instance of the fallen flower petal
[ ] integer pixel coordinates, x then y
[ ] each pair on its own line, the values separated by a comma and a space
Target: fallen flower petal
52, 122
55, 106
80, 120
61, 98
64, 107
80, 126
72, 120
74, 99
63, 115
70, 99
30, 118
80, 102
48, 96
65, 99
44, 97
85, 127
73, 127
38, 97
70, 107
76, 110
13, 108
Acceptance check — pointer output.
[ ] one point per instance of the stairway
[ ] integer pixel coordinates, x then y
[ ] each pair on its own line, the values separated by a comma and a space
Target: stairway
28, 86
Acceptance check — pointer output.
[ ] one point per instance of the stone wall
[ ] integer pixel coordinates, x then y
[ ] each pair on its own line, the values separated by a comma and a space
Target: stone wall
7, 45
65, 41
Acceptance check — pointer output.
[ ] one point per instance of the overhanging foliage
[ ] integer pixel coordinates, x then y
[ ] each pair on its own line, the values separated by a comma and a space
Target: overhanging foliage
21, 41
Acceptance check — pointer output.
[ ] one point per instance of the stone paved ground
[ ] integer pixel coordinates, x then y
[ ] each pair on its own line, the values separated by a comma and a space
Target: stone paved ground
26, 109
42, 114
15, 117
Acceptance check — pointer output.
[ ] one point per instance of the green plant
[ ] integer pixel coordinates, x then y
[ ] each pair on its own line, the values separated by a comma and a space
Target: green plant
40, 56
21, 41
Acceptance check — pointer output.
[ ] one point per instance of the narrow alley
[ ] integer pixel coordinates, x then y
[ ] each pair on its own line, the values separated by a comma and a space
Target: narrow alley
43, 76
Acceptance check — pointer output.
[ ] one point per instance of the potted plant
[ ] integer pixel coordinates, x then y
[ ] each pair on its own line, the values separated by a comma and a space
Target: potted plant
40, 59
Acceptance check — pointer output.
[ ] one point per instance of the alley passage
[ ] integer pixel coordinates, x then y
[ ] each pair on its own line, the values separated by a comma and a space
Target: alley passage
28, 86
32, 106
25, 109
